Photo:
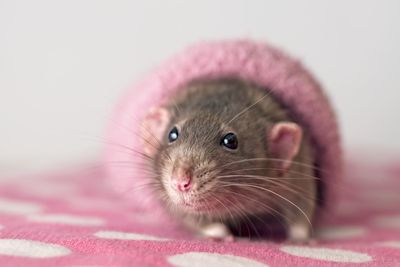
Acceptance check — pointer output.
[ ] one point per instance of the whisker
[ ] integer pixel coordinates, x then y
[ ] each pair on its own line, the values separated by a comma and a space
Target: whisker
268, 208
274, 169
242, 213
148, 133
266, 177
254, 215
248, 108
275, 181
277, 195
273, 160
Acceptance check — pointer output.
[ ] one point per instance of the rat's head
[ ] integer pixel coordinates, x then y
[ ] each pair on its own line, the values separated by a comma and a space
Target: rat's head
195, 153
203, 160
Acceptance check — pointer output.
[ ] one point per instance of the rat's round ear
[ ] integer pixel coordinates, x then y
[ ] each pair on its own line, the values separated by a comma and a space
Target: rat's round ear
284, 141
153, 127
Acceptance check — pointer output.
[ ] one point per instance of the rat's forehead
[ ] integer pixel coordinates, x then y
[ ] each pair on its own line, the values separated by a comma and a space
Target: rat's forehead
203, 121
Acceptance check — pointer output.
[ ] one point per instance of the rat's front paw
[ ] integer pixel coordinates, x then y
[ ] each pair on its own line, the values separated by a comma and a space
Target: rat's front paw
217, 232
300, 233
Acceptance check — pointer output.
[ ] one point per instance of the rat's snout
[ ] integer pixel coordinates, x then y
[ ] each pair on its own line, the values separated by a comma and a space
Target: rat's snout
181, 178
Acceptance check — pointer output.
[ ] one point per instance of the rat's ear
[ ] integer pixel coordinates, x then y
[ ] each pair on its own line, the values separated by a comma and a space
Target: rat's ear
152, 129
284, 140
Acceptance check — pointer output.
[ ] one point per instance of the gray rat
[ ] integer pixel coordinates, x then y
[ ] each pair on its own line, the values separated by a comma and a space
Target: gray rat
227, 151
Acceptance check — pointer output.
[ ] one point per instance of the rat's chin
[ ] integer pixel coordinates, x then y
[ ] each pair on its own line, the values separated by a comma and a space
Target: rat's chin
192, 202
196, 206
191, 205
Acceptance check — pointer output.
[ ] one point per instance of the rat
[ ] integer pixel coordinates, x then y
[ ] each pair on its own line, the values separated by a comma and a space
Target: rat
226, 154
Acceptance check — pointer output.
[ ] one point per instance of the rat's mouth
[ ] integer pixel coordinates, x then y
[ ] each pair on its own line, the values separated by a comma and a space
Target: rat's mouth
193, 201
194, 207
197, 206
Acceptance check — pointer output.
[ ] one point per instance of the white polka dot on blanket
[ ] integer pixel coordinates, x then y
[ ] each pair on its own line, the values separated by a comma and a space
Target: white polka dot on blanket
66, 219
127, 236
30, 248
18, 207
340, 232
327, 254
388, 221
390, 244
200, 259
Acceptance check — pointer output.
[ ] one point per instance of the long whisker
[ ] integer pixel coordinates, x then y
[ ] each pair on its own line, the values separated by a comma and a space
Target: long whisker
142, 166
225, 208
136, 133
252, 190
148, 133
279, 196
144, 155
273, 160
268, 208
241, 212
274, 169
266, 177
275, 212
176, 107
248, 108
303, 176
275, 181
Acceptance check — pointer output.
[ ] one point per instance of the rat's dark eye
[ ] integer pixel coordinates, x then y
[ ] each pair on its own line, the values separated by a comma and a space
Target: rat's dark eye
230, 141
173, 134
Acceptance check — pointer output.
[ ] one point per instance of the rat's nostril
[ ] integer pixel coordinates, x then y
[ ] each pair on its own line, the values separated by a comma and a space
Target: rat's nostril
182, 184
186, 185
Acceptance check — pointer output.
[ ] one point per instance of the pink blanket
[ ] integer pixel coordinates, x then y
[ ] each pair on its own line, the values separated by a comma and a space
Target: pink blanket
73, 219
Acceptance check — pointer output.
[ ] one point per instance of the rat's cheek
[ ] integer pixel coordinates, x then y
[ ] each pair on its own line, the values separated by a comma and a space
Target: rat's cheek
171, 194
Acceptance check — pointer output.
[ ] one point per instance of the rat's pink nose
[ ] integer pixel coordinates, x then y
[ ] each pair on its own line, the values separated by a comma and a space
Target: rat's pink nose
181, 178
182, 183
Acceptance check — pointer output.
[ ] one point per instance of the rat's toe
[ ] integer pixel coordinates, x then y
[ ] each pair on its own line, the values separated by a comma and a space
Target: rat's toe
217, 232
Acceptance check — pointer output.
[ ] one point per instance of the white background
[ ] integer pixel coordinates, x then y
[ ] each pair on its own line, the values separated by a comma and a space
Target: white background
63, 64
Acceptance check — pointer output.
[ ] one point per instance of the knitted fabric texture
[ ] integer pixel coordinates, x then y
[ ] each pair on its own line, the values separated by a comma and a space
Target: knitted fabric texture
259, 63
